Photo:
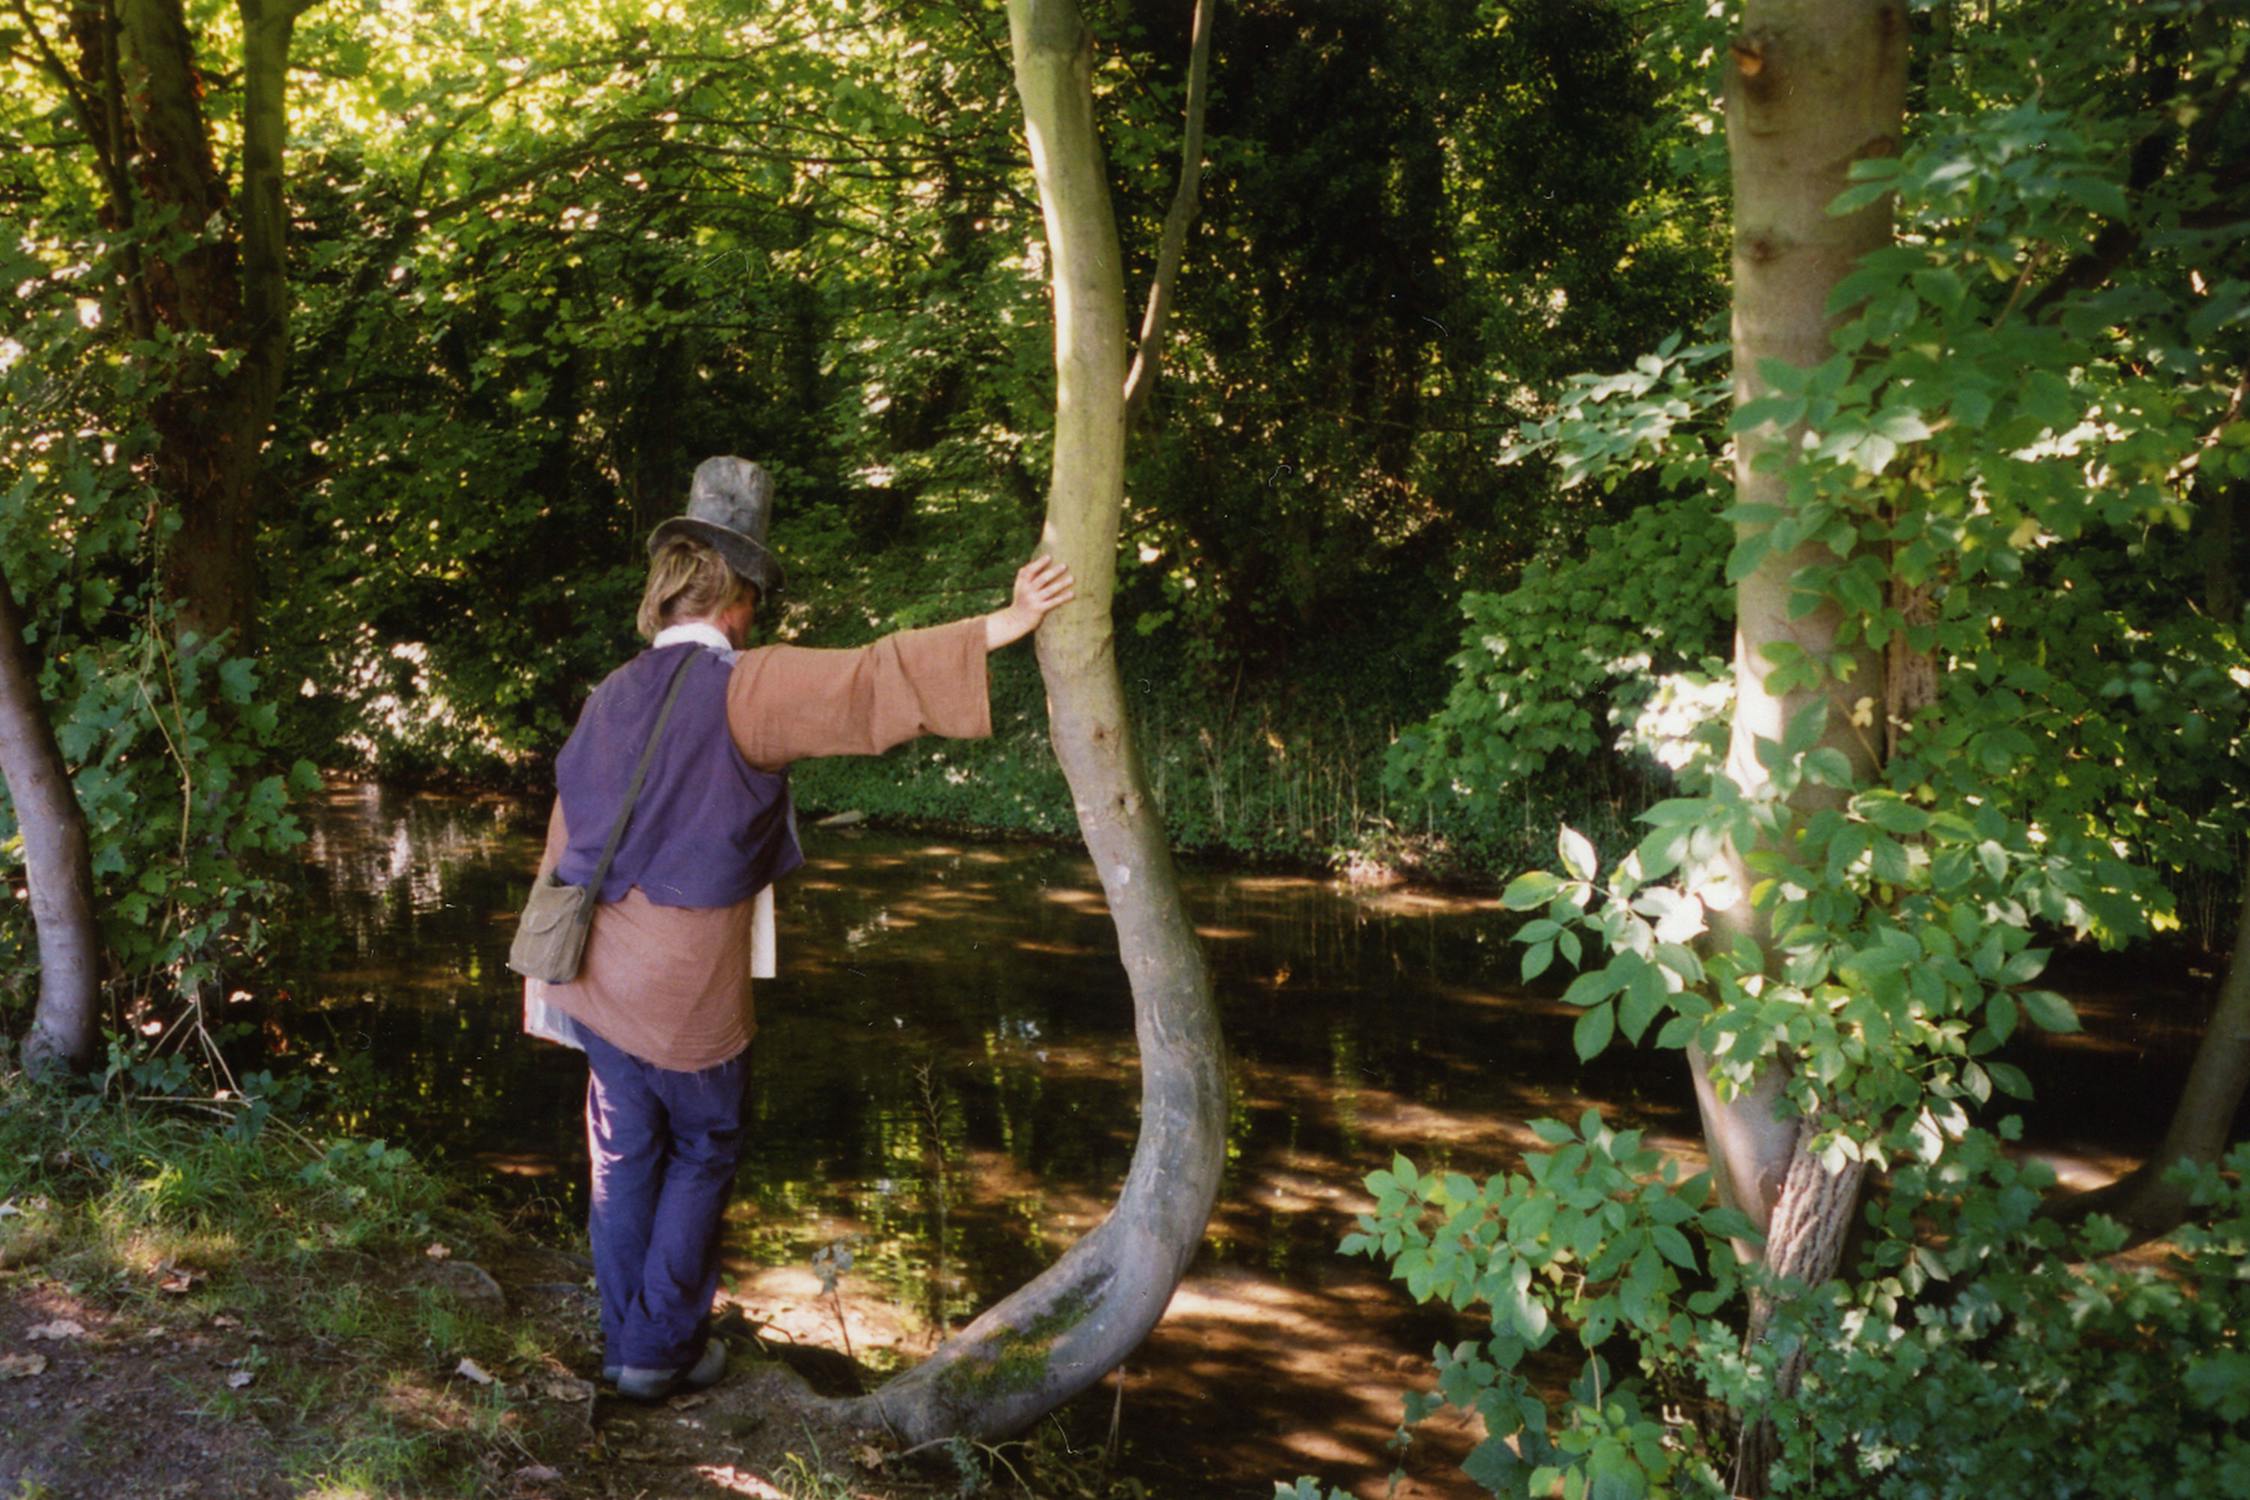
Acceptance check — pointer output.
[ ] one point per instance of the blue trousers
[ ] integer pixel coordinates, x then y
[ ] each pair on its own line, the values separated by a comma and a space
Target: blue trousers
664, 1146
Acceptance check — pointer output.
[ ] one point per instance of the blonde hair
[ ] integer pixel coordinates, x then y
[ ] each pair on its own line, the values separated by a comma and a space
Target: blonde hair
687, 580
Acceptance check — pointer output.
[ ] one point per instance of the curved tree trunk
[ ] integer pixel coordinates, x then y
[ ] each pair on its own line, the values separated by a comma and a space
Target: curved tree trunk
56, 867
2202, 1124
1813, 86
1068, 1327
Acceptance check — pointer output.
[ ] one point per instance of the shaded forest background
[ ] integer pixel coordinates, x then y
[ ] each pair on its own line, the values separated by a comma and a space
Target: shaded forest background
354, 348
541, 264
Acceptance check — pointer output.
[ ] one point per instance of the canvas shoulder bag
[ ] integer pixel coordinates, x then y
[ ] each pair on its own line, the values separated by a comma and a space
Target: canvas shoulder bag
551, 933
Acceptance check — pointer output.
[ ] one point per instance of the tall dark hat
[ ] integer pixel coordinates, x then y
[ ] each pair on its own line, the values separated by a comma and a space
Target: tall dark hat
730, 504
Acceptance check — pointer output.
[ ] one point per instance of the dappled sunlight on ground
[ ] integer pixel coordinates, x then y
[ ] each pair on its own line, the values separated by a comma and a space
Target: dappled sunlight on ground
946, 1083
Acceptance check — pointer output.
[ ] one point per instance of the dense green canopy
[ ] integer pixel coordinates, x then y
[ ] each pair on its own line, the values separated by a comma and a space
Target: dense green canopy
373, 338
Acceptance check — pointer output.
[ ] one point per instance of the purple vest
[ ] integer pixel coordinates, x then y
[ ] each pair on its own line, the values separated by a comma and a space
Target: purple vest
709, 829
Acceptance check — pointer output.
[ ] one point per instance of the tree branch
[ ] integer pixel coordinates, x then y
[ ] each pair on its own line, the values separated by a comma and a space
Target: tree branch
1148, 352
2118, 239
80, 105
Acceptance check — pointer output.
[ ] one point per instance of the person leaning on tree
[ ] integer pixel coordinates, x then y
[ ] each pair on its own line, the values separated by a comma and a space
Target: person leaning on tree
661, 1003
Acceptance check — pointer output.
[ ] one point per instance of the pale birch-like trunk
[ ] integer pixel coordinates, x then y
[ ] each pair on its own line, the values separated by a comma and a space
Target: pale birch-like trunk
1064, 1330
57, 869
1813, 85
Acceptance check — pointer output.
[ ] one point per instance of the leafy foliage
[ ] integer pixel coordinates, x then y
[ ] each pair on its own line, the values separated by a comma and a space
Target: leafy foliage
1599, 1231
2013, 475
2027, 1365
168, 739
1615, 651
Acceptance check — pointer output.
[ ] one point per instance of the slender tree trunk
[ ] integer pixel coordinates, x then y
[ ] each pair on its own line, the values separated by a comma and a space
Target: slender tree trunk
1813, 85
1067, 1328
56, 867
2202, 1124
1148, 357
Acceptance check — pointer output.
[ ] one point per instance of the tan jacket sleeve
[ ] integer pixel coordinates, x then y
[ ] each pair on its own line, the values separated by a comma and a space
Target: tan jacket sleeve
789, 703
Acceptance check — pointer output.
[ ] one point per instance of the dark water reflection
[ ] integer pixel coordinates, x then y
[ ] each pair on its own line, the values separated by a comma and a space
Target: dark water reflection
945, 1080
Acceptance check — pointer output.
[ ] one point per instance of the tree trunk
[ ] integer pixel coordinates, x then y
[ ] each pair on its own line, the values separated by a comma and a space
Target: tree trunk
1813, 85
2203, 1118
56, 867
1064, 1330
230, 285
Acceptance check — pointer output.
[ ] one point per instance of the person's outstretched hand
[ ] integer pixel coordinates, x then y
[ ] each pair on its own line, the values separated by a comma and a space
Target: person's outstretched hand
1041, 585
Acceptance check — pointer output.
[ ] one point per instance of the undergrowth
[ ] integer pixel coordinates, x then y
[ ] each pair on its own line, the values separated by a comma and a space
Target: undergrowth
325, 1291
322, 1259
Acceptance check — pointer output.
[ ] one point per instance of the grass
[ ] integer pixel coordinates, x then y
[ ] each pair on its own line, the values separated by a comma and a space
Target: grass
279, 1293
303, 1265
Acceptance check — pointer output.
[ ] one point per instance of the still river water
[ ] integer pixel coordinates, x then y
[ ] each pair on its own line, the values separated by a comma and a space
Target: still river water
945, 1082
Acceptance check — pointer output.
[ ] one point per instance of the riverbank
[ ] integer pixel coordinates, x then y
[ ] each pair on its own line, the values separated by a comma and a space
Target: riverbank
189, 1309
1292, 780
944, 1083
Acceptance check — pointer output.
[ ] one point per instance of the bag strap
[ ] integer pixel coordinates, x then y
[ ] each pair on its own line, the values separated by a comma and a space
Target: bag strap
640, 774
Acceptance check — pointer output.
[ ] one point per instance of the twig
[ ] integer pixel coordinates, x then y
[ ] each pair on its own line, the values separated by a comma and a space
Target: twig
1148, 353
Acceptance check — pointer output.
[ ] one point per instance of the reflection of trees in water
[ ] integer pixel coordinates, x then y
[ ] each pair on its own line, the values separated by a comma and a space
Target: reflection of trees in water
991, 963
1358, 1023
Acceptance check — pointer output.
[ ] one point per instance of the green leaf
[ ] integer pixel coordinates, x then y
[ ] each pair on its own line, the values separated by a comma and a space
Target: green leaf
1806, 726
1529, 891
1893, 814
2220, 1383
1829, 766
1781, 411
2049, 1011
1593, 1031
238, 679
2099, 194
2023, 967
1732, 1224
1673, 1246
1577, 853
1595, 985
1644, 997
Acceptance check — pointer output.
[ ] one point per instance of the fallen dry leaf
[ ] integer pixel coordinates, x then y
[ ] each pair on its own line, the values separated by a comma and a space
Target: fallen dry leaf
739, 1482
536, 1474
19, 1366
224, 1320
61, 1328
178, 1280
239, 1379
469, 1369
438, 1251
566, 1388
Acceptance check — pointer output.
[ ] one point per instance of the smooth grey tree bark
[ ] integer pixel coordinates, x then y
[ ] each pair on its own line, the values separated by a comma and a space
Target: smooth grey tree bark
1812, 86
1079, 1319
57, 868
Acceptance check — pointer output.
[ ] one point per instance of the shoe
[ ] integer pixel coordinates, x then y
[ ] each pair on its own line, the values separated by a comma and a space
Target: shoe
641, 1384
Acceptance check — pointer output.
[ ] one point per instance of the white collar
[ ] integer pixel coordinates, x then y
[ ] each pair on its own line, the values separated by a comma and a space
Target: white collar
695, 631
